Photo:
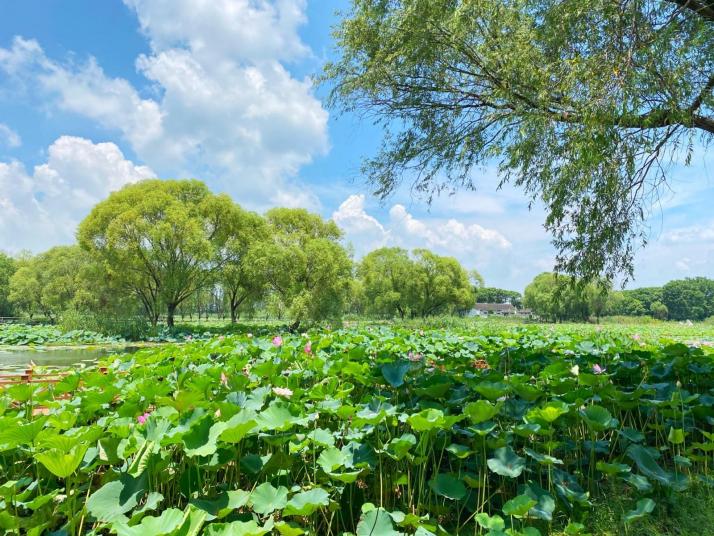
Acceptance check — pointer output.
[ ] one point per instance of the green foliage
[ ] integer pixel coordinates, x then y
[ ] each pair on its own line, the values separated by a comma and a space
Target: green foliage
548, 90
51, 282
304, 265
423, 285
689, 299
498, 295
162, 240
7, 268
557, 297
23, 335
235, 435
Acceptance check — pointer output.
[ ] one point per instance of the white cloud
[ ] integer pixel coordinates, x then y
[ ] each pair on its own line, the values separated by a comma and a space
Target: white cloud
450, 235
224, 107
690, 234
9, 137
469, 242
362, 230
43, 208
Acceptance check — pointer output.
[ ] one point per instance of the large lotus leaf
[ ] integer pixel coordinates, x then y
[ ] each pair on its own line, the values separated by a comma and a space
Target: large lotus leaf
276, 416
644, 507
222, 505
61, 463
428, 419
238, 528
116, 498
289, 528
266, 498
331, 459
494, 523
548, 413
639, 482
17, 434
480, 411
239, 426
201, 438
569, 489
597, 418
519, 506
376, 522
612, 468
506, 462
492, 390
648, 466
543, 459
399, 447
395, 372
446, 485
167, 523
545, 504
306, 503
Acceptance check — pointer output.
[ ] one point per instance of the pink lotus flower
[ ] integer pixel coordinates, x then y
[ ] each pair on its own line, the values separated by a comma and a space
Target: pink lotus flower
277, 341
221, 337
414, 357
637, 336
283, 391
224, 379
597, 369
308, 347
141, 419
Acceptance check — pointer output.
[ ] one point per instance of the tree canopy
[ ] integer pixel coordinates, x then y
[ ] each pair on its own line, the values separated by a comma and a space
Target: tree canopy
7, 268
163, 239
423, 284
582, 104
498, 295
558, 297
306, 268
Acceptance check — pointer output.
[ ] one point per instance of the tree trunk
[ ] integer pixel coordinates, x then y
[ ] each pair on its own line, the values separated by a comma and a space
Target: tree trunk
170, 311
234, 315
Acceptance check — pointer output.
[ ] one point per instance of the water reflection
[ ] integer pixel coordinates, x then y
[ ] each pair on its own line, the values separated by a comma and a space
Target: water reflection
18, 360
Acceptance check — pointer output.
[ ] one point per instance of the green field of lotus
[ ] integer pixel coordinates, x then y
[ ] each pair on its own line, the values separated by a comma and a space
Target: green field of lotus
367, 431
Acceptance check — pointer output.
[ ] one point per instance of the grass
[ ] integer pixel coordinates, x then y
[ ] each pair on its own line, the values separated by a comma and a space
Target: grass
689, 513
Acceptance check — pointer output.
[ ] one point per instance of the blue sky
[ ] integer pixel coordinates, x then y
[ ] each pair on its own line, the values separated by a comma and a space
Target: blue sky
95, 95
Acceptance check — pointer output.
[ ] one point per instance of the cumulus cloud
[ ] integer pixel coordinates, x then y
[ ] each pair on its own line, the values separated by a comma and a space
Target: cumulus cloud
224, 106
9, 137
362, 230
469, 242
43, 207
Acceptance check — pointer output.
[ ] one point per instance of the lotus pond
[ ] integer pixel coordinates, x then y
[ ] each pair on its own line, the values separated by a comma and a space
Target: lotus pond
376, 431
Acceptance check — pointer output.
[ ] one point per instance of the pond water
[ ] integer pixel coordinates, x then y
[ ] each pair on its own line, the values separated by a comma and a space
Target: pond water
19, 359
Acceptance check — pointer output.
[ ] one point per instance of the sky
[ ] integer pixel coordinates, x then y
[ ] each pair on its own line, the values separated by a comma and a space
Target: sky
97, 95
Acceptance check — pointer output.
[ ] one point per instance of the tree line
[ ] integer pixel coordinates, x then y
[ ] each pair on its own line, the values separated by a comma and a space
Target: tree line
562, 297
161, 247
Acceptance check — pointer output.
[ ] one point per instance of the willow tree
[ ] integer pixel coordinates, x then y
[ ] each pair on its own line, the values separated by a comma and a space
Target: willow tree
162, 239
582, 104
305, 266
240, 279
